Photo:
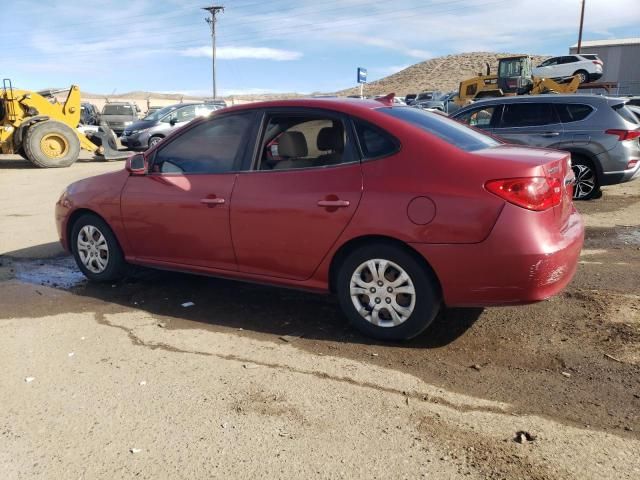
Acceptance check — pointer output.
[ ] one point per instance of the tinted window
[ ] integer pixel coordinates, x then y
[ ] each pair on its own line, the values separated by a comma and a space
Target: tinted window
374, 143
478, 117
527, 115
573, 112
448, 130
625, 113
210, 147
569, 59
304, 141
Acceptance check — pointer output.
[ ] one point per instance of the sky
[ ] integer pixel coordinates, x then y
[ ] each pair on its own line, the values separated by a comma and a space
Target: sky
276, 46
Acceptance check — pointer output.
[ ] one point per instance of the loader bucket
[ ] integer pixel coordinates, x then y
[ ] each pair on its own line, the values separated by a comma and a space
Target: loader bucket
107, 145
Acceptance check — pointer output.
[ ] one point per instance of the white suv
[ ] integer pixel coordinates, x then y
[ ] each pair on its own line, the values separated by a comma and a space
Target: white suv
587, 66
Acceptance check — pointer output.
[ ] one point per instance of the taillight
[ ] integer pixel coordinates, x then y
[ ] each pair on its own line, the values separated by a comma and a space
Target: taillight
532, 193
632, 163
624, 134
598, 62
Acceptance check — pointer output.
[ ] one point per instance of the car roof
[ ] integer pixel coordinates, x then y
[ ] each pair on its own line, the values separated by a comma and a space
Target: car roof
546, 98
342, 104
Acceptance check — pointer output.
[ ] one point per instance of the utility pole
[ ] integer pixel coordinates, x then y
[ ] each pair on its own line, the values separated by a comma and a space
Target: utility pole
213, 10
581, 23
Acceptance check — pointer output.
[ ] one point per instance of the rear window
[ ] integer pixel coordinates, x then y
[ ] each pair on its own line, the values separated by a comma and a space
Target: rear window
625, 113
573, 112
445, 128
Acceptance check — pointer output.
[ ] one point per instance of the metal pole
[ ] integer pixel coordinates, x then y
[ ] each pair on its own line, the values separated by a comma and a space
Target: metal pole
581, 23
213, 10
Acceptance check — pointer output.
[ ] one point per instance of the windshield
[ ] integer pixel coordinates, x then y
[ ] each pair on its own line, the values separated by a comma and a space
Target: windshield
158, 114
118, 110
445, 128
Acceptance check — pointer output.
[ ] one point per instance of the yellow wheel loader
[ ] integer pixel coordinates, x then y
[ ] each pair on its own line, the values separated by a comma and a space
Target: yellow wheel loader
514, 78
45, 132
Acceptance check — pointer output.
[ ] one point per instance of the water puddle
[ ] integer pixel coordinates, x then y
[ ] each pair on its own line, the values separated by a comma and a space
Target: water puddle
59, 272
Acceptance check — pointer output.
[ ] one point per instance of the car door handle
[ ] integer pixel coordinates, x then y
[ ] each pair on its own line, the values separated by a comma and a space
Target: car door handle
212, 201
550, 134
333, 203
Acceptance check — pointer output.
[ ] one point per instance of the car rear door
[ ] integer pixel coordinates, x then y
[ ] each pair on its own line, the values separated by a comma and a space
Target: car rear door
287, 211
178, 214
529, 123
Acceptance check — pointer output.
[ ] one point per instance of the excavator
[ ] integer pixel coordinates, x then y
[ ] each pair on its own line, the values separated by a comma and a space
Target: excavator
45, 132
514, 77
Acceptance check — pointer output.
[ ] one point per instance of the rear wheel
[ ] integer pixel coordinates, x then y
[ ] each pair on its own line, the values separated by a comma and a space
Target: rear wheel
582, 75
96, 249
586, 184
387, 293
51, 144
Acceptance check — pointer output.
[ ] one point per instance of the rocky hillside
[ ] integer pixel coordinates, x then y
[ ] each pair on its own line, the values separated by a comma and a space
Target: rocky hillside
441, 73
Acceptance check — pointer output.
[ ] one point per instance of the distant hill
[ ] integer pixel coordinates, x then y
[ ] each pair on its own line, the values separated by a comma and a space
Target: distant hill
441, 73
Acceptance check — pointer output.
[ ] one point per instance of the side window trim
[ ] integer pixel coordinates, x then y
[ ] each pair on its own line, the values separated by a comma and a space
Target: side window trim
237, 162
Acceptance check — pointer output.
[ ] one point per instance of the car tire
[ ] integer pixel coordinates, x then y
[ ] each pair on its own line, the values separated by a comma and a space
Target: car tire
385, 313
586, 186
154, 140
582, 75
96, 249
51, 144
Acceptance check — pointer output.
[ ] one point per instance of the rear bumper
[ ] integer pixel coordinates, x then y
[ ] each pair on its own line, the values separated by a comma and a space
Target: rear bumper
595, 76
613, 178
521, 261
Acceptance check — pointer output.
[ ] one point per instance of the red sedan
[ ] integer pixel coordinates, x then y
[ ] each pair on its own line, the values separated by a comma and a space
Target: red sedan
396, 210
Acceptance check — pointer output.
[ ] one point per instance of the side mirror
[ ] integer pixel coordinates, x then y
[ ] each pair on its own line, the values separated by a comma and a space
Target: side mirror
136, 165
173, 121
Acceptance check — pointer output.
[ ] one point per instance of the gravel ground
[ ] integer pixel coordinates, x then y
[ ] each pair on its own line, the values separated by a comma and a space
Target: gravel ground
121, 381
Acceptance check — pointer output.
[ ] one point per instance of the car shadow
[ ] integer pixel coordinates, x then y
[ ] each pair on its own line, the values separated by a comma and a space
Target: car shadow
228, 304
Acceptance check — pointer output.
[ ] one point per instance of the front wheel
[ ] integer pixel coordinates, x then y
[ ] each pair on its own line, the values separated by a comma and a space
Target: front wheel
586, 184
387, 293
96, 249
154, 140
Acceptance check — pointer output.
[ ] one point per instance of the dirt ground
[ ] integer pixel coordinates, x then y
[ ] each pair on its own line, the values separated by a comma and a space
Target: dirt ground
121, 381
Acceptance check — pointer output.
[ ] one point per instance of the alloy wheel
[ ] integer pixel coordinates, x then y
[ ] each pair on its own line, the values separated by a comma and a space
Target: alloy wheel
382, 293
93, 249
585, 182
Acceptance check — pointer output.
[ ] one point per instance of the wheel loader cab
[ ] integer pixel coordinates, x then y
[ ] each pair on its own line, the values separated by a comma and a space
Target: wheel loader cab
514, 75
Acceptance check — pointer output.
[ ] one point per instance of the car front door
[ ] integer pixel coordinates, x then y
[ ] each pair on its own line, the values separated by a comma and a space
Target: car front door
289, 209
529, 123
178, 213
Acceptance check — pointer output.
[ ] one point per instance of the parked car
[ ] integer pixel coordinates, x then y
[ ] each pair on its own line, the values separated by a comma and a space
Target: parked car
119, 115
426, 96
601, 133
444, 103
153, 128
586, 66
89, 114
396, 210
410, 97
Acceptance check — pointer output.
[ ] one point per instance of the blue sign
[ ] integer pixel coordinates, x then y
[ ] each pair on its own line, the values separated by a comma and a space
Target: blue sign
362, 75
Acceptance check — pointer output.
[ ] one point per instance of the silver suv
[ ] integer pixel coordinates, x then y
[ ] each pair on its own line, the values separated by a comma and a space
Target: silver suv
601, 133
151, 129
